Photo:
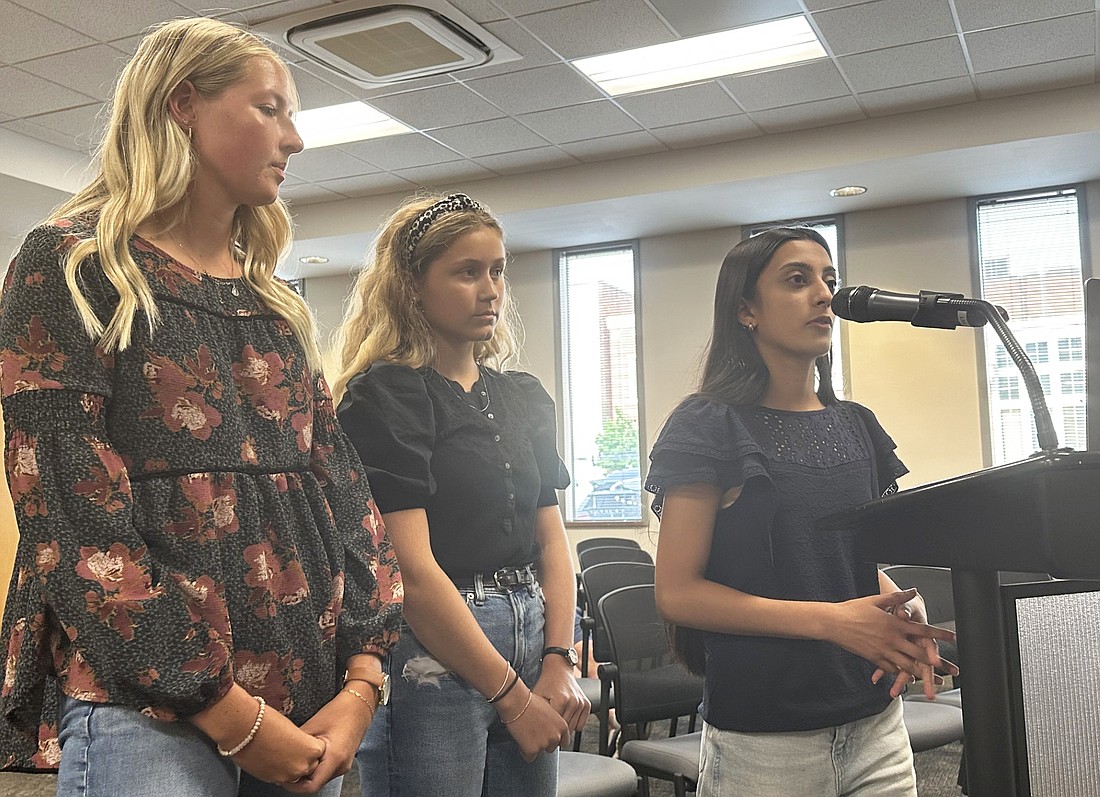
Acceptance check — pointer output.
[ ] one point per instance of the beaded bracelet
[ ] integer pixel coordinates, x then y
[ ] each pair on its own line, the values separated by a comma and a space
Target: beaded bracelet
507, 689
251, 734
362, 697
522, 711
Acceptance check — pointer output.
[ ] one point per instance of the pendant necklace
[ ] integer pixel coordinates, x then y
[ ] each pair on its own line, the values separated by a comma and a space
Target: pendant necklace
484, 392
186, 251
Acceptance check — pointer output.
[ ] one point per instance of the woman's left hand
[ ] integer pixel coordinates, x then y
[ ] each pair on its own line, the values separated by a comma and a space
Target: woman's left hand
557, 685
913, 611
341, 723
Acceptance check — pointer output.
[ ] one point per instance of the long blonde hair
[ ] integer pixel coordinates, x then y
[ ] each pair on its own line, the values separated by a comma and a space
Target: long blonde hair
384, 321
146, 166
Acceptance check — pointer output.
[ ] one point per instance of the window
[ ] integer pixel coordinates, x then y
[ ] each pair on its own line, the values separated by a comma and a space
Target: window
1028, 255
832, 230
298, 286
597, 307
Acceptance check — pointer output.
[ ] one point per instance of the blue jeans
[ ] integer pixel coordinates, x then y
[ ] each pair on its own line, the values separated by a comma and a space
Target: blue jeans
116, 751
869, 757
438, 736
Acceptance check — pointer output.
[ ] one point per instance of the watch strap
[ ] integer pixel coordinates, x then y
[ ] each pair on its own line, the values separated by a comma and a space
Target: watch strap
568, 654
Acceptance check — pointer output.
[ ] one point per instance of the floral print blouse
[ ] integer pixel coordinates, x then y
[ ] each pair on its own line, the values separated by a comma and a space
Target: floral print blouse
189, 511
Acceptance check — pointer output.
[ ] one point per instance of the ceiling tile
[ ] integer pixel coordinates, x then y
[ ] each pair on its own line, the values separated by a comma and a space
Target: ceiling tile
445, 175
89, 70
437, 107
822, 5
819, 80
611, 147
17, 86
258, 12
709, 131
308, 194
918, 97
326, 163
678, 105
368, 184
601, 26
578, 122
1032, 43
478, 10
536, 89
901, 66
365, 92
25, 35
489, 138
979, 14
810, 114
707, 16
314, 92
108, 19
1037, 77
401, 152
884, 23
528, 160
520, 7
533, 52
85, 125
39, 133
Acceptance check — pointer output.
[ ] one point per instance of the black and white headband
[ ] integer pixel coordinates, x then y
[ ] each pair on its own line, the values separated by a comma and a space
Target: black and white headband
418, 226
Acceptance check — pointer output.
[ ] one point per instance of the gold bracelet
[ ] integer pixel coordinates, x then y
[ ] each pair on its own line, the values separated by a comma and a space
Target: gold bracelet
362, 697
522, 711
504, 683
251, 734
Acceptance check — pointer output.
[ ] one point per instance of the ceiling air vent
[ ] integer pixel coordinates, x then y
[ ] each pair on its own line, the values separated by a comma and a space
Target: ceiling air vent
378, 44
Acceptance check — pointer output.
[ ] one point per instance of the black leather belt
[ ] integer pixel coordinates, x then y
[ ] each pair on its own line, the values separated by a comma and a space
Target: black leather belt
507, 578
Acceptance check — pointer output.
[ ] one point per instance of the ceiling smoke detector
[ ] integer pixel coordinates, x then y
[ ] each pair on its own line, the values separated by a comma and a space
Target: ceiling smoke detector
381, 43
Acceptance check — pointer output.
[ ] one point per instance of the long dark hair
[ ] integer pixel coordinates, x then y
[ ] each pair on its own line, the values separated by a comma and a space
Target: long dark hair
733, 370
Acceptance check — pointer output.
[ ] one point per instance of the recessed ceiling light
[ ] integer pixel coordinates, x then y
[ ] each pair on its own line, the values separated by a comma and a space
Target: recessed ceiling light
746, 49
349, 121
313, 260
848, 190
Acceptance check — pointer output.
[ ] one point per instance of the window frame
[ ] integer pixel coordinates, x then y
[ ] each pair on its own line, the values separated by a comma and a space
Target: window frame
565, 440
985, 411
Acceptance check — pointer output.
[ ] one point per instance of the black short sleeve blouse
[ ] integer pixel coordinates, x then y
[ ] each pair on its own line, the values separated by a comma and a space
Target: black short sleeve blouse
479, 464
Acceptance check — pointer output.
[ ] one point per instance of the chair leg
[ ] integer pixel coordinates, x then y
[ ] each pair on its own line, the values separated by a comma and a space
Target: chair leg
679, 785
643, 786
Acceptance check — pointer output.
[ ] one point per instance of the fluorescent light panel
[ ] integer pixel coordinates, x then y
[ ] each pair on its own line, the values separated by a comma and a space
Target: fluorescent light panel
339, 124
747, 49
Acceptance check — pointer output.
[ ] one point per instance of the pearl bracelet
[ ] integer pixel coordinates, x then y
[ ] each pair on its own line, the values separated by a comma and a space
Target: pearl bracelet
251, 734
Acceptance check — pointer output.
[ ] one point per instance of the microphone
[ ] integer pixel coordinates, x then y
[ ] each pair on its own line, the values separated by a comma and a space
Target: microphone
931, 309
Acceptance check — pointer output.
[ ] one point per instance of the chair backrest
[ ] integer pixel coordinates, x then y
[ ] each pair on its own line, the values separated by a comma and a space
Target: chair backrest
611, 553
598, 580
606, 542
651, 684
934, 585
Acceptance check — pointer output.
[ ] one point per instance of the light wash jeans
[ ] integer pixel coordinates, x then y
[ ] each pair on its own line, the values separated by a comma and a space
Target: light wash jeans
438, 737
869, 758
116, 751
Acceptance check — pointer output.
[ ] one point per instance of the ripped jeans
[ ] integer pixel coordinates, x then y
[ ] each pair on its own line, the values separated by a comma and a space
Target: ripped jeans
438, 736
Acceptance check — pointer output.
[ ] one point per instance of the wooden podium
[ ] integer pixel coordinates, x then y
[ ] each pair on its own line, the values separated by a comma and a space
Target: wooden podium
1041, 514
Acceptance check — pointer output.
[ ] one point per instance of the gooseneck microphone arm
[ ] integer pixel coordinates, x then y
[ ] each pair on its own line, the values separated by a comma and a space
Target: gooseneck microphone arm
1044, 426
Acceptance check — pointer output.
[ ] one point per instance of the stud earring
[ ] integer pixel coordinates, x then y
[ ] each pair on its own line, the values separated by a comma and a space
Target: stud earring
750, 328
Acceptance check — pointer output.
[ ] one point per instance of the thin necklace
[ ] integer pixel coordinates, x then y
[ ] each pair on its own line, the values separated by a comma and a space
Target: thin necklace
484, 392
202, 268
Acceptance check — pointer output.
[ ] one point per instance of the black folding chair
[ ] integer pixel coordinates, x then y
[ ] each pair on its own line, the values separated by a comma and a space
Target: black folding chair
650, 685
606, 542
611, 553
599, 580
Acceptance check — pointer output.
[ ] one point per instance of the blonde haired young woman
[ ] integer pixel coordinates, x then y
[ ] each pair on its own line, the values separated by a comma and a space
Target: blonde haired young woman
200, 560
464, 464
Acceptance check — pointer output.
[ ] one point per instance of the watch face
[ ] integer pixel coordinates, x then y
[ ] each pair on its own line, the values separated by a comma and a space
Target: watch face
572, 656
384, 690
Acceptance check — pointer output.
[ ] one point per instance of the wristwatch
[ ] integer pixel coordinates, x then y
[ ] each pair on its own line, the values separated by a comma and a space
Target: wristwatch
379, 680
569, 654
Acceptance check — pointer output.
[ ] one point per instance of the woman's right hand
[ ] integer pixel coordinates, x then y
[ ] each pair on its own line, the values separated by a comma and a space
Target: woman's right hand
539, 728
280, 752
868, 628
